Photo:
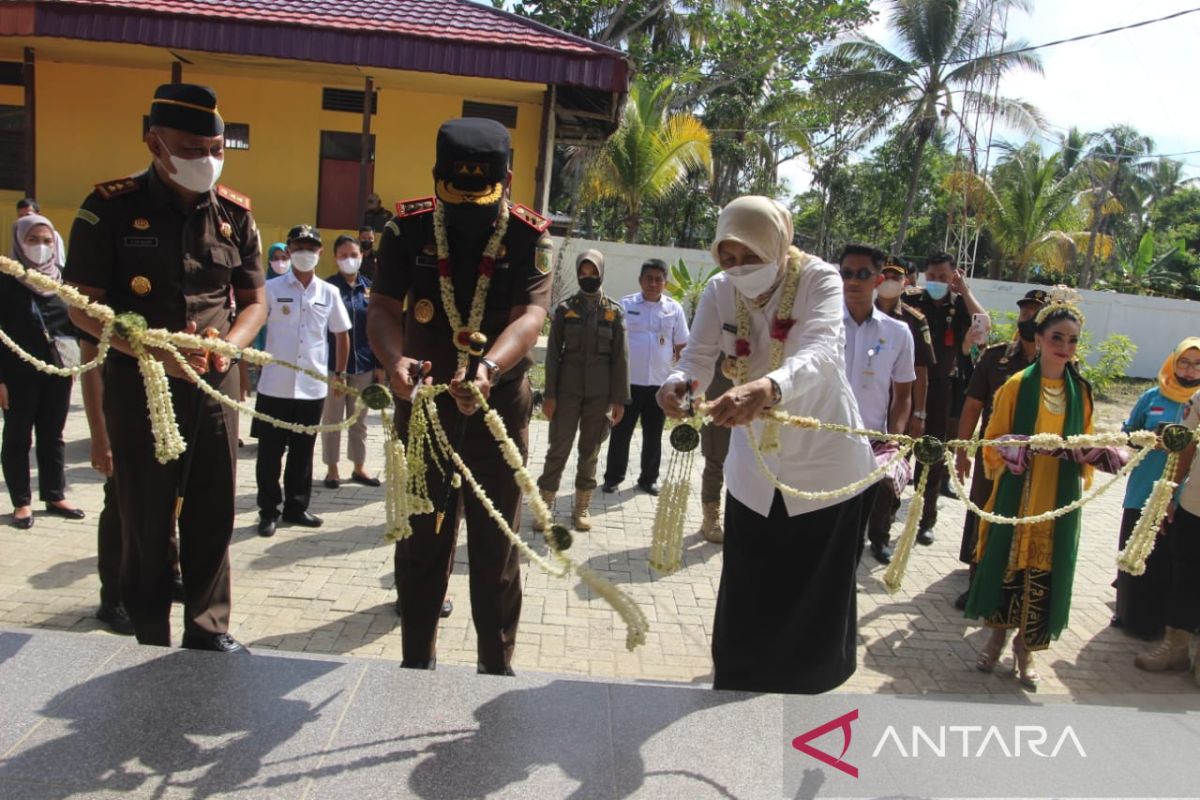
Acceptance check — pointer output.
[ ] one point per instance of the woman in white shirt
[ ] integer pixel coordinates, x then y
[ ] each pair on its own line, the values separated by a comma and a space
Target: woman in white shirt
786, 618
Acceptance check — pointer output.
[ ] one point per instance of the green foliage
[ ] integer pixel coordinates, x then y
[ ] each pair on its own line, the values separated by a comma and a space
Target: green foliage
685, 287
1115, 355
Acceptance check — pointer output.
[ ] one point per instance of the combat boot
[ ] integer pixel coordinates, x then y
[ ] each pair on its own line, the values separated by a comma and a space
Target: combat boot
711, 526
580, 516
1169, 654
548, 499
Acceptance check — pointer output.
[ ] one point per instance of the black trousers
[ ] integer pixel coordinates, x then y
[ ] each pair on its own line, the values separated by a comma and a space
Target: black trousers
1183, 546
272, 442
642, 406
786, 618
37, 403
1142, 599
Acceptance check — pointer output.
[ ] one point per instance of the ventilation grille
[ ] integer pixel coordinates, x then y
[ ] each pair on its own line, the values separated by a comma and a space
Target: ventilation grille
349, 100
505, 115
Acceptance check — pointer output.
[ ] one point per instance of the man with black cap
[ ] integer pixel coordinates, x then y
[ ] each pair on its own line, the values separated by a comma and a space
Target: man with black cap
494, 259
170, 244
587, 378
302, 310
997, 364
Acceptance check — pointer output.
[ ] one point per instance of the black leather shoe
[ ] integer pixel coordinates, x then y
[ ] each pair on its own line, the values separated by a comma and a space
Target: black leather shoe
431, 664
24, 523
960, 602
882, 553
303, 518
447, 609
116, 618
948, 492
214, 642
266, 526
364, 480
332, 483
65, 513
925, 537
609, 488
649, 488
178, 595
507, 671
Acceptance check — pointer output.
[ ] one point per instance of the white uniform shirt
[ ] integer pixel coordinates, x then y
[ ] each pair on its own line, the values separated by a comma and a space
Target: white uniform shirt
813, 382
653, 330
298, 319
878, 353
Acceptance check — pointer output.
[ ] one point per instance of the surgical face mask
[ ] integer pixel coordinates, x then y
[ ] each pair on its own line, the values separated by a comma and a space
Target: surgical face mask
752, 280
305, 260
195, 174
590, 284
1027, 329
38, 253
349, 265
937, 290
890, 290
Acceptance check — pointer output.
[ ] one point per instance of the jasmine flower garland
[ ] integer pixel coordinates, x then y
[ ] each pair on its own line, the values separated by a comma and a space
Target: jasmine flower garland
487, 265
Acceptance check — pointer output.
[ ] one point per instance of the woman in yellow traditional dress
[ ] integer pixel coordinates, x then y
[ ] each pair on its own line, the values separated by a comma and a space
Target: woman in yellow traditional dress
1025, 572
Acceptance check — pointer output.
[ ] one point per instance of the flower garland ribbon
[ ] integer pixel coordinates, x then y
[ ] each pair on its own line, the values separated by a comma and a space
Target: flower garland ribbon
487, 267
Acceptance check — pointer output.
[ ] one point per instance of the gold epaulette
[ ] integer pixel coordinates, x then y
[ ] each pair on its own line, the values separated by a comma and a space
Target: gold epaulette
109, 189
530, 217
917, 313
237, 198
411, 208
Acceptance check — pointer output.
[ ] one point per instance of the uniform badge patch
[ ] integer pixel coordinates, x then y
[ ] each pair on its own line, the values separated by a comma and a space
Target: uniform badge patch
87, 216
541, 259
140, 285
226, 230
423, 311
141, 224
430, 249
610, 315
285, 310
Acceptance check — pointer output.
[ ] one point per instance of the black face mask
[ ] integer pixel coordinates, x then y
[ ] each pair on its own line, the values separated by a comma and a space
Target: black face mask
1188, 383
1026, 329
470, 217
366, 244
589, 285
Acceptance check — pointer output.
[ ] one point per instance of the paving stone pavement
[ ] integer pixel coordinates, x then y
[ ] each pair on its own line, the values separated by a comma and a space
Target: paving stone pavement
331, 591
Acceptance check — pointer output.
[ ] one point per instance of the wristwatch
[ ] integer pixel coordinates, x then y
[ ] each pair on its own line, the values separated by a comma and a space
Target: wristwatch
492, 367
776, 393
921, 415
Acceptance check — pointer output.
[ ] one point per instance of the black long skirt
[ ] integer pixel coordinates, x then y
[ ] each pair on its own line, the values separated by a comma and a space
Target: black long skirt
1142, 599
787, 616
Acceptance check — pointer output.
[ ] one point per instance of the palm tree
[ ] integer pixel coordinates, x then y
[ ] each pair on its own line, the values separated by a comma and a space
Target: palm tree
650, 153
1114, 164
930, 79
1029, 207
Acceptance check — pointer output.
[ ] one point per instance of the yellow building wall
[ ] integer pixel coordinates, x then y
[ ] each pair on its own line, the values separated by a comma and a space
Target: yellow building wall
89, 129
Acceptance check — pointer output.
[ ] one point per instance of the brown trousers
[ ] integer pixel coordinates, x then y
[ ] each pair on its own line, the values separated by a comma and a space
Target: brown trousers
588, 415
146, 493
424, 560
937, 405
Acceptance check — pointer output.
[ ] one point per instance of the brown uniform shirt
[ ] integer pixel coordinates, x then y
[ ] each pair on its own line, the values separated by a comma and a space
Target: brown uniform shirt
948, 324
136, 240
586, 353
408, 270
997, 364
918, 326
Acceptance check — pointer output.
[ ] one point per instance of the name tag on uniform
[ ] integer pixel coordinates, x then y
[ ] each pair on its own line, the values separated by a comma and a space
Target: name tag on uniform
426, 261
730, 327
141, 241
635, 313
320, 305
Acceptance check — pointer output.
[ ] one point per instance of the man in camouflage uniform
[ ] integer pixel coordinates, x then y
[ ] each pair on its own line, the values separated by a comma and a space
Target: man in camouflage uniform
587, 378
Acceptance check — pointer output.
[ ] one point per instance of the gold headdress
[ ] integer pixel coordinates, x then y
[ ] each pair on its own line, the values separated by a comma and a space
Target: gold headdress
1058, 299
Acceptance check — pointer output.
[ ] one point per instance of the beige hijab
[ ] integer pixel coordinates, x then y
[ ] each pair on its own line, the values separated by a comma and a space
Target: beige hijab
760, 223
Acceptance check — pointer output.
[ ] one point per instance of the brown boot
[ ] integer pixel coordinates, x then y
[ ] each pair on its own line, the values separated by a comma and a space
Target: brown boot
1169, 654
711, 526
580, 516
548, 499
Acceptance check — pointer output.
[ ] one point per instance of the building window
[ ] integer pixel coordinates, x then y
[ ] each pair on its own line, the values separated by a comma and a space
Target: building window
347, 100
12, 147
237, 134
11, 73
505, 115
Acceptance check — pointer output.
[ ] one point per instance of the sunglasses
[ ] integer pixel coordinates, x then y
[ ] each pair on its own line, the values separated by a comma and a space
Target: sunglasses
862, 274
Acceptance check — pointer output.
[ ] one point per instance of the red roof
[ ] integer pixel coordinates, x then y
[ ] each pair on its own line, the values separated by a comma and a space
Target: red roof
451, 36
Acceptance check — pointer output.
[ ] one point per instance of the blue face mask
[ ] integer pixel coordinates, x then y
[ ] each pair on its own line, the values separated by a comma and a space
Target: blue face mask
937, 290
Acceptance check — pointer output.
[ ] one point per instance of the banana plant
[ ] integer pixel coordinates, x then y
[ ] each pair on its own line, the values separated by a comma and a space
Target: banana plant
686, 288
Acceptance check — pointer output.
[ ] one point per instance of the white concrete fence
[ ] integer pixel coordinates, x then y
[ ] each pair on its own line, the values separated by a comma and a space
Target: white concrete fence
1154, 324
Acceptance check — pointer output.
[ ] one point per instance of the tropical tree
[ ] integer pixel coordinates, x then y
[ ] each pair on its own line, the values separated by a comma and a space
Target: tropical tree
934, 75
1114, 165
1029, 206
649, 154
1147, 271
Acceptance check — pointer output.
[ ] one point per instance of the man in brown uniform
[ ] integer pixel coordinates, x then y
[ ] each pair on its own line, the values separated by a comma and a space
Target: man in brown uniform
587, 378
170, 245
947, 303
997, 364
471, 177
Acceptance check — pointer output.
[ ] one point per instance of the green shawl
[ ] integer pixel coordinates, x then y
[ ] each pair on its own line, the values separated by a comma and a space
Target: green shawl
986, 596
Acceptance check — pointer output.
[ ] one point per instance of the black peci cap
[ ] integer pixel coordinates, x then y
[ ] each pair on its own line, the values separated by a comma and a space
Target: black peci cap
187, 107
304, 233
1035, 297
472, 160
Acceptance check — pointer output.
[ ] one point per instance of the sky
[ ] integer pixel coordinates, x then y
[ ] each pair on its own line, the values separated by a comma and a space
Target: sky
1144, 77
